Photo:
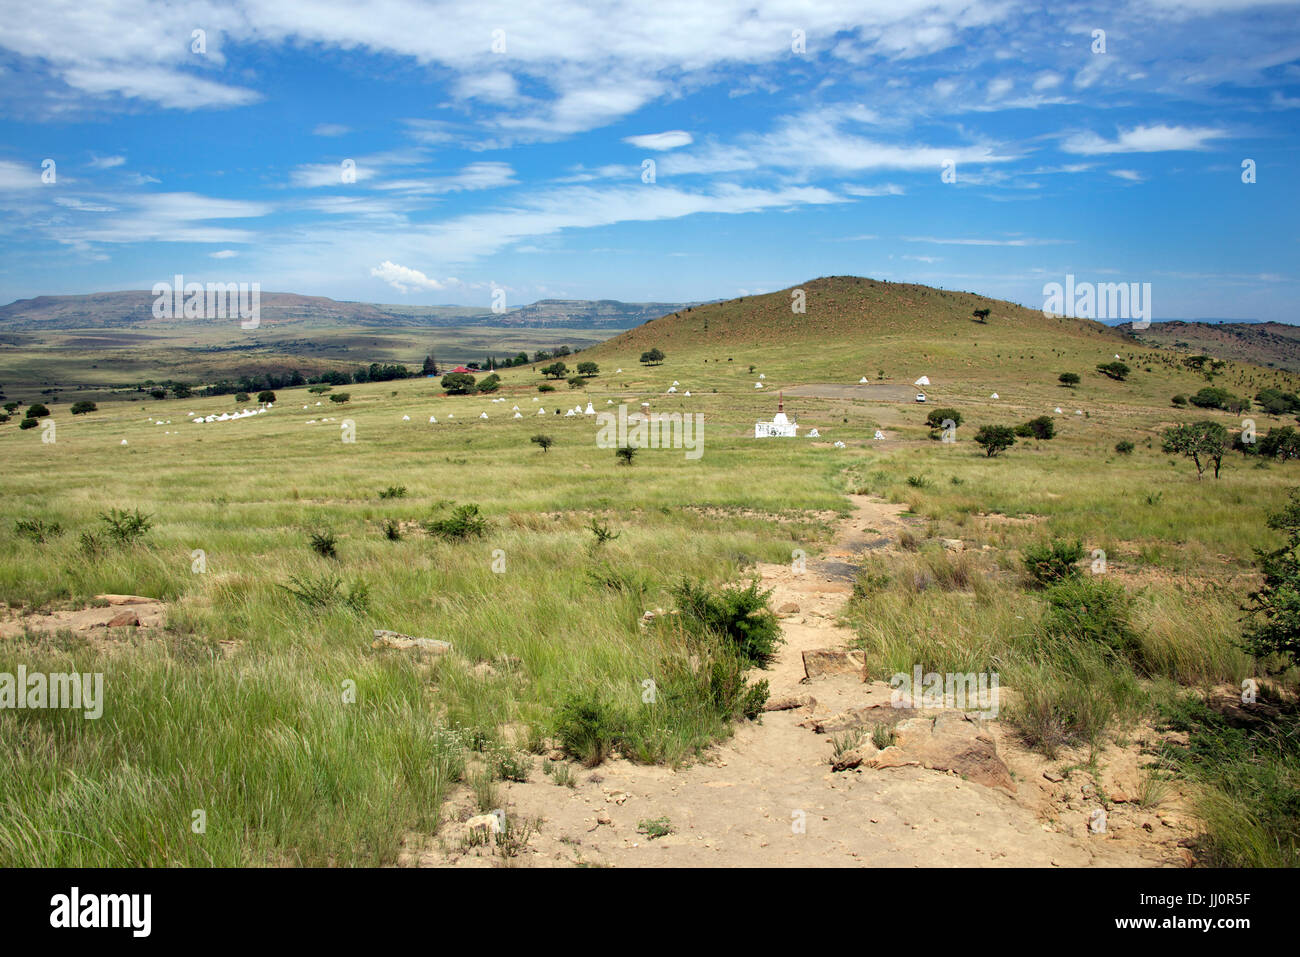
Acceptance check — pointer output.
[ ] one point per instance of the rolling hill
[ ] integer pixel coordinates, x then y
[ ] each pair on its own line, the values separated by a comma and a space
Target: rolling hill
1272, 344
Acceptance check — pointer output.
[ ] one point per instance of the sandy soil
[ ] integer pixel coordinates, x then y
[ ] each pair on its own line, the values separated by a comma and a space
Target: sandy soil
769, 797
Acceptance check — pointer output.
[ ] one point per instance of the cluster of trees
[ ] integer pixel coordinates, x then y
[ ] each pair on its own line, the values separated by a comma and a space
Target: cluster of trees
462, 383
1116, 370
558, 370
1277, 402
1213, 397
654, 357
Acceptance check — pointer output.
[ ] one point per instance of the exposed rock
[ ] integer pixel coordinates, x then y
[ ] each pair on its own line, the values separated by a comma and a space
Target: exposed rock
863, 753
954, 544
789, 608
393, 639
829, 661
1053, 776
125, 619
126, 600
489, 825
789, 702
953, 741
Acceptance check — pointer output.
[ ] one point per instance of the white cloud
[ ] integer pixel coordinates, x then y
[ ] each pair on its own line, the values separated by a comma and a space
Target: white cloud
105, 162
1143, 139
224, 254
403, 278
1132, 175
668, 140
331, 129
986, 242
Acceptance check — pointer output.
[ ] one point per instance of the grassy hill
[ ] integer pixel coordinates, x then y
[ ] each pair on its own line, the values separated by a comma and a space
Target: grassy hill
1269, 344
234, 706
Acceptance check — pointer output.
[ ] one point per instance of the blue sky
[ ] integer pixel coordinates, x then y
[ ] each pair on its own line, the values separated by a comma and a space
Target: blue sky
502, 145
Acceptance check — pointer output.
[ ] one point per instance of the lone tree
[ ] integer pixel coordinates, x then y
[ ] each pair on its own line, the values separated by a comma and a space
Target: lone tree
545, 441
82, 407
588, 369
625, 454
430, 366
981, 315
652, 358
995, 438
1203, 442
1276, 606
556, 370
1116, 370
1068, 379
456, 383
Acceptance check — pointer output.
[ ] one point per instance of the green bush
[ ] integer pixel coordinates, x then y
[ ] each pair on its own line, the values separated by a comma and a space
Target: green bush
739, 615
28, 424
125, 527
393, 491
239, 396
1094, 611
341, 397
37, 411
1051, 562
1124, 447
546, 387
323, 543
266, 396
588, 727
464, 522
38, 530
936, 417
84, 406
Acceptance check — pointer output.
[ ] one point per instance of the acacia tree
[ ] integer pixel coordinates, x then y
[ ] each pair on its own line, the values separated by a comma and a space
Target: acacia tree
995, 438
652, 357
1203, 442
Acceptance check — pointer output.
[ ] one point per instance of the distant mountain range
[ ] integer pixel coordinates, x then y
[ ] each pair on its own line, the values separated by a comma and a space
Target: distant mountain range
133, 309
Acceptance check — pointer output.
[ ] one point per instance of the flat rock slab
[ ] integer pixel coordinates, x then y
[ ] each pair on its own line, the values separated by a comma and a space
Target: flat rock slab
820, 662
136, 613
398, 641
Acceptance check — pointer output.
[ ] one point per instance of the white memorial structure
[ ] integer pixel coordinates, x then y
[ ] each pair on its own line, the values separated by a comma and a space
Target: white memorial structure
779, 426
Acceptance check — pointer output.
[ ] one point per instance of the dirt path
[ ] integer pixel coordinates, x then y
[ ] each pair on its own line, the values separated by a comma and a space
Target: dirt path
769, 798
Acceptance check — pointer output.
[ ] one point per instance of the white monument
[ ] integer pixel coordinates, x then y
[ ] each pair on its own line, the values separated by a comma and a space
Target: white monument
780, 426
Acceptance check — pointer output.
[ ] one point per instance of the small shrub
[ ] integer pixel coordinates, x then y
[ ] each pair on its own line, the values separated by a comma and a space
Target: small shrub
239, 396
543, 441
320, 389
38, 530
393, 491
392, 531
1095, 611
1124, 447
323, 543
84, 406
602, 532
341, 397
587, 727
28, 424
739, 615
125, 528
323, 591
464, 522
625, 454
546, 387
655, 827
1051, 562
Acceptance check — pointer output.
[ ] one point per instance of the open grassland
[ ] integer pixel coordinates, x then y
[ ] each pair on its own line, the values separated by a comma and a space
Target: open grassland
239, 709
91, 363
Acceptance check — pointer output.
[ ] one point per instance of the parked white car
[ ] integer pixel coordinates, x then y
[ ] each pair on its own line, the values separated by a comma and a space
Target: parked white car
920, 397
